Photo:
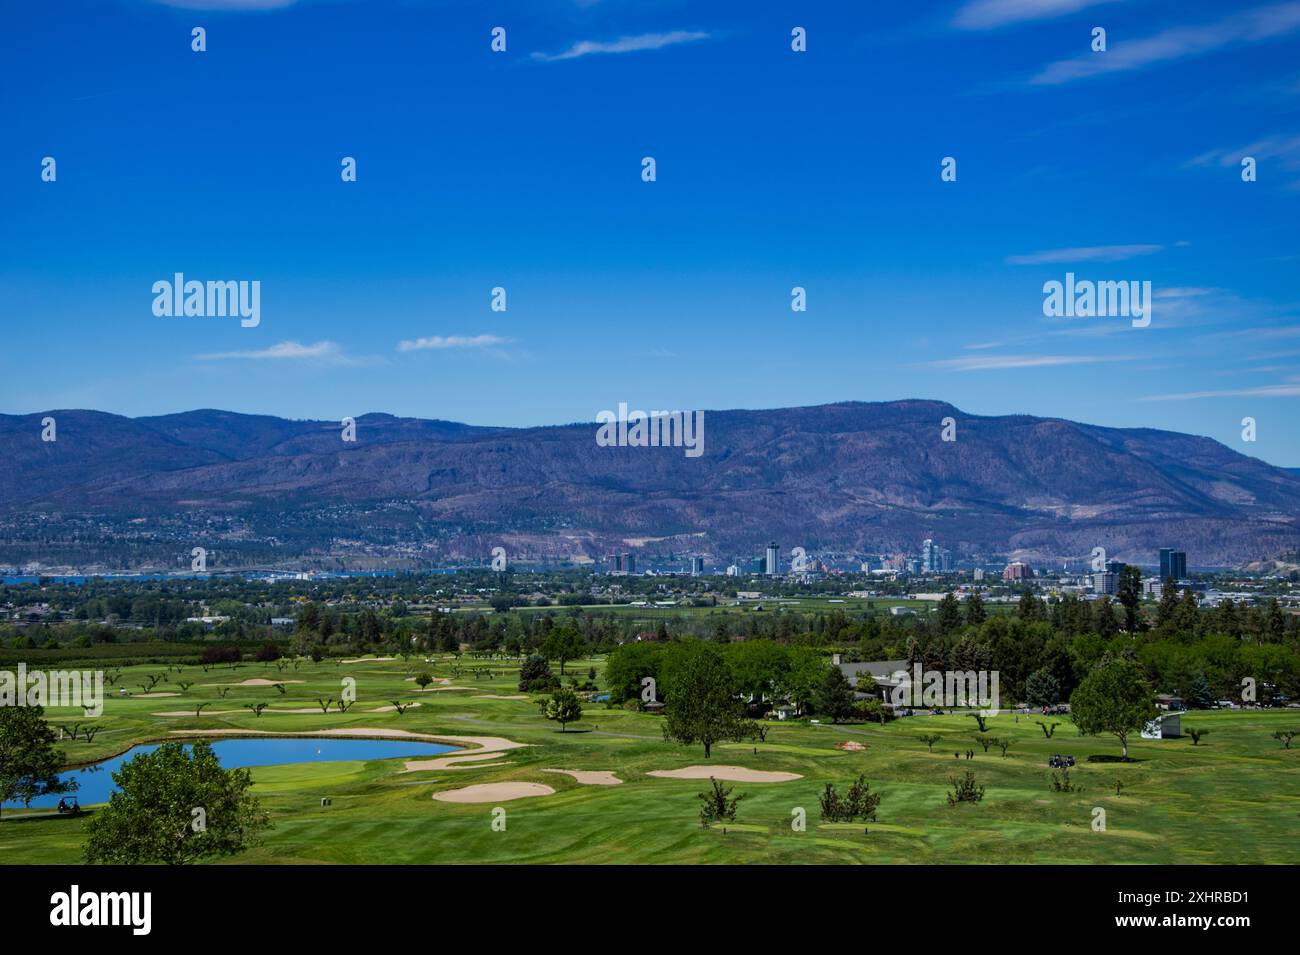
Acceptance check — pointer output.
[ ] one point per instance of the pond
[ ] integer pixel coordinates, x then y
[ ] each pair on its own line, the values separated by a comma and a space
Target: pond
95, 782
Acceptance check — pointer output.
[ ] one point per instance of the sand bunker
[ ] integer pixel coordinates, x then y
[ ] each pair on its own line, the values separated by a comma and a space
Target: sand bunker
737, 774
494, 792
370, 660
442, 689
494, 696
590, 777
488, 747
436, 679
256, 681
147, 696
390, 709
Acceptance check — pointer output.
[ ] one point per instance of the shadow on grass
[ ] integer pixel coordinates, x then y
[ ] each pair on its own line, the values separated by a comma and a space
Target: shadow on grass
1113, 759
6, 819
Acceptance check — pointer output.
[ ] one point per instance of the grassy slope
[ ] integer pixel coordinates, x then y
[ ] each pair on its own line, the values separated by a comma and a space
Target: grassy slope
1232, 799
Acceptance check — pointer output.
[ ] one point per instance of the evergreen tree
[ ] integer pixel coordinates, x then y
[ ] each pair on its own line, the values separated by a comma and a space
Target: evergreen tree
1201, 696
1103, 618
975, 612
949, 614
834, 697
1166, 613
1031, 608
1129, 592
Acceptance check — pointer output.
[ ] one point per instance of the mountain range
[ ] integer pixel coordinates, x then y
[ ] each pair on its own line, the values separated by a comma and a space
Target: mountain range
847, 479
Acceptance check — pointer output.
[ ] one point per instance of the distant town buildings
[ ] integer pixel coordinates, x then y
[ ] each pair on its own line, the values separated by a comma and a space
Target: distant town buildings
773, 562
935, 559
1105, 582
1173, 564
697, 566
1016, 570
620, 564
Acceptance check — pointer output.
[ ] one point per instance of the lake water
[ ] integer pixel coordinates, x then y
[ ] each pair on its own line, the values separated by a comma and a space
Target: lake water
95, 783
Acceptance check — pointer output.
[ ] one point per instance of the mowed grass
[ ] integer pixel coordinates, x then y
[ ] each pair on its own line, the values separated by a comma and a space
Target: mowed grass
1233, 799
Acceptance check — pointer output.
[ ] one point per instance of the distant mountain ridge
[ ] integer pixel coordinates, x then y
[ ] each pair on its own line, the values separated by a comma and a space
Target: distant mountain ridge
848, 478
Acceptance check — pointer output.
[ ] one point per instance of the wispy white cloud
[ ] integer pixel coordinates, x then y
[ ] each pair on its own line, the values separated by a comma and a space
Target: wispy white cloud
624, 44
990, 14
1263, 391
1183, 292
1094, 253
452, 341
1284, 148
1176, 43
325, 351
1000, 362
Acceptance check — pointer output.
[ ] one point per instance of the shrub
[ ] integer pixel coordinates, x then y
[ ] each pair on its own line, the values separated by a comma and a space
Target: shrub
965, 789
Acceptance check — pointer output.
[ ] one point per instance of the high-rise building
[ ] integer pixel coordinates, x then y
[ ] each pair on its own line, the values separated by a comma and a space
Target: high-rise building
1104, 582
757, 566
929, 556
697, 566
629, 563
773, 562
1016, 570
614, 563
1115, 567
1173, 564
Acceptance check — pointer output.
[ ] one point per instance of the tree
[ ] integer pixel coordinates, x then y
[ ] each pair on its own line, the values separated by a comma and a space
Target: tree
1201, 696
1031, 607
834, 697
1115, 699
975, 612
949, 613
859, 803
702, 706
718, 807
1042, 689
1129, 592
29, 763
1166, 612
563, 707
965, 790
1285, 736
929, 740
1196, 735
535, 675
423, 679
154, 818
1103, 618
563, 644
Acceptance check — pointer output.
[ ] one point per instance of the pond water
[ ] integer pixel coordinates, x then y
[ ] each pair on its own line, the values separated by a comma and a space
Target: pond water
95, 783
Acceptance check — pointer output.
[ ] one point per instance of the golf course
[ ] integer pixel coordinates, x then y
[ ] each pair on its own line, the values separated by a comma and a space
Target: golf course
609, 788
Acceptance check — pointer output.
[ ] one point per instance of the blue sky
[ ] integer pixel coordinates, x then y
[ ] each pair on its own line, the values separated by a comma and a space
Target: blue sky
775, 169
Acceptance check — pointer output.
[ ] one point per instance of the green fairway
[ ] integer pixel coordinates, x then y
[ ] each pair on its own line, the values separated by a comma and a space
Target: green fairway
1232, 799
